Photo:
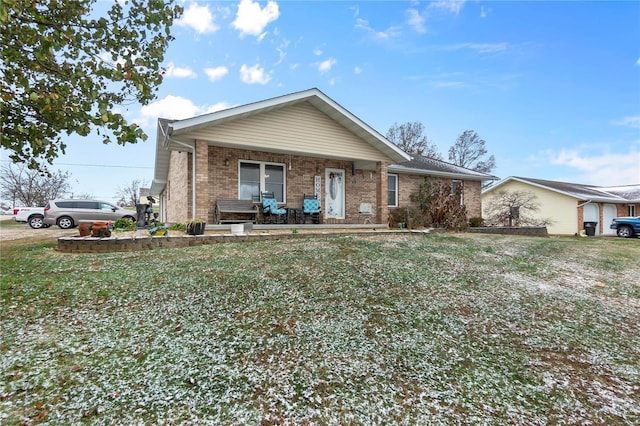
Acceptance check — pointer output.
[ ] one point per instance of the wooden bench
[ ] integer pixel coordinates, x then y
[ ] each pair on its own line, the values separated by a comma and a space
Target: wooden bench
236, 207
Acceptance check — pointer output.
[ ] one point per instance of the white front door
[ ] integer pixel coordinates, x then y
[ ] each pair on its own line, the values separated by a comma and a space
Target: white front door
334, 194
608, 213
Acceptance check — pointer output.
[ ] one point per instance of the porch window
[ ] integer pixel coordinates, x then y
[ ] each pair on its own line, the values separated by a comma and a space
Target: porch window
392, 190
257, 177
632, 210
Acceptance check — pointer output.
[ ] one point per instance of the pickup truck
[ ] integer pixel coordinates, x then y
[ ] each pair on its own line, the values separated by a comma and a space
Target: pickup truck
626, 227
32, 215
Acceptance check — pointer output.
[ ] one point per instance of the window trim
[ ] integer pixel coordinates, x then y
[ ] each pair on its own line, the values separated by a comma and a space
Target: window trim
632, 210
262, 165
396, 189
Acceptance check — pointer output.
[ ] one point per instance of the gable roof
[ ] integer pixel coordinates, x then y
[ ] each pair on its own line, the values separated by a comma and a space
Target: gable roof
172, 133
427, 166
612, 194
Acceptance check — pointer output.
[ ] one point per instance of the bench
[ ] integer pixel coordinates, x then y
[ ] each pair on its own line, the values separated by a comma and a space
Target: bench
236, 207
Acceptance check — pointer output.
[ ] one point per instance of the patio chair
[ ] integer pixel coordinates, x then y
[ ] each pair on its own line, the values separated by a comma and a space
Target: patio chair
311, 209
270, 209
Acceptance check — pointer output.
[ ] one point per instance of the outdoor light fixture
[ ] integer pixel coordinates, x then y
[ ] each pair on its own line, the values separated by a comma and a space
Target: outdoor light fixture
226, 162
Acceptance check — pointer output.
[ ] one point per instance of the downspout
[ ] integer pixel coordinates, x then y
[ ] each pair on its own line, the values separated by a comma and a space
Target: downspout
193, 175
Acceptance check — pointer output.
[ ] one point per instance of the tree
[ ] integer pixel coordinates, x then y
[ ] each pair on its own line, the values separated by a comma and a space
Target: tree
67, 70
441, 205
468, 152
514, 208
410, 138
31, 188
129, 195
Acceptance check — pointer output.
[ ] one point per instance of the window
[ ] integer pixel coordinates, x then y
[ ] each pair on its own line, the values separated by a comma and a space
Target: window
107, 207
86, 205
632, 210
257, 177
456, 189
392, 190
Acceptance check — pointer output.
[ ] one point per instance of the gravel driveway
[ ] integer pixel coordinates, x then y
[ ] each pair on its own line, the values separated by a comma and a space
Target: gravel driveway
22, 233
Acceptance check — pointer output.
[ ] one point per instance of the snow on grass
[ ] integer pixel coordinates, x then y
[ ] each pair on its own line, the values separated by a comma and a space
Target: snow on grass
436, 329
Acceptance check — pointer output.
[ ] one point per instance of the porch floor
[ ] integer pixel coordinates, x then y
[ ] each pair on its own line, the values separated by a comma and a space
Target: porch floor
304, 227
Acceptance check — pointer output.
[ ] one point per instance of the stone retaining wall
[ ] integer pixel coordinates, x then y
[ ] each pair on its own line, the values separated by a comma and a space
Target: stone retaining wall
124, 244
532, 231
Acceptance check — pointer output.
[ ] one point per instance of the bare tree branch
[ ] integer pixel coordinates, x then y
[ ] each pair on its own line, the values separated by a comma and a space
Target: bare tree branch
411, 138
31, 188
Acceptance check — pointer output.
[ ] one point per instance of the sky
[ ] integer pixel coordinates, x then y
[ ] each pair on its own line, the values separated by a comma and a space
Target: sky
552, 87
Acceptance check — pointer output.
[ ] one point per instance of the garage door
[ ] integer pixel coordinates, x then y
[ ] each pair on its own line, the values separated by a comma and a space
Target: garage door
608, 213
591, 215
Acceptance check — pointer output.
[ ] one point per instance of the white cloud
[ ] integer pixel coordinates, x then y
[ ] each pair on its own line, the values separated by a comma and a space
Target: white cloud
633, 122
199, 18
171, 107
179, 72
175, 108
357, 70
416, 21
390, 32
483, 12
448, 84
216, 73
453, 6
317, 51
251, 19
325, 66
217, 107
282, 51
479, 47
605, 169
638, 62
253, 75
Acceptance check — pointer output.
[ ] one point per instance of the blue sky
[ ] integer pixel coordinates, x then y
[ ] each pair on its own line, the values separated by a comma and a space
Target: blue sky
552, 87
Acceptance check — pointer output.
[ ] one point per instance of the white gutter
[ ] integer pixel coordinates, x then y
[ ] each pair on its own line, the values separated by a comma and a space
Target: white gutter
193, 175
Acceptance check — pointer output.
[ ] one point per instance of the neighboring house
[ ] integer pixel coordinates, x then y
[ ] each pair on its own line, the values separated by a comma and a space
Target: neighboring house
301, 143
569, 205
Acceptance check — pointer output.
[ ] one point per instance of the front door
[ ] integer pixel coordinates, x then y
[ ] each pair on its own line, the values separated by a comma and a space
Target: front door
334, 193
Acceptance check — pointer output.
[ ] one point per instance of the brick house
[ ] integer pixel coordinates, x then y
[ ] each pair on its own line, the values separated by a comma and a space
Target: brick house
296, 144
570, 205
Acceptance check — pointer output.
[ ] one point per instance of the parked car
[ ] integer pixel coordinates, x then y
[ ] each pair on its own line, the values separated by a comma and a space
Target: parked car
68, 213
626, 227
32, 215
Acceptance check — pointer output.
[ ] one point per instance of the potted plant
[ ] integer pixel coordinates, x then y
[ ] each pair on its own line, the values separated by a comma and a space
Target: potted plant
195, 226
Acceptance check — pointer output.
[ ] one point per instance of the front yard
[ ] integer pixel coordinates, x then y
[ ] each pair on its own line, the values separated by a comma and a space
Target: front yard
405, 329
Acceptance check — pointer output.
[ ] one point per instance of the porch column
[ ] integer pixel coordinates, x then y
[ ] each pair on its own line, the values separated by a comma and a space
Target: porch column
202, 180
382, 213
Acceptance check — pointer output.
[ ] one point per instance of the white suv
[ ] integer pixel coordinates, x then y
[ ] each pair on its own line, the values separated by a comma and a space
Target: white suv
68, 213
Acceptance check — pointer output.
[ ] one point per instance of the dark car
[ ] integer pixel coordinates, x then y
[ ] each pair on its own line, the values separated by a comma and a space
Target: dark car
626, 227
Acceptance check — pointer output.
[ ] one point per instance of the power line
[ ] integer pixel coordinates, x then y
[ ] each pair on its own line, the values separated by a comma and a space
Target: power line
93, 165
103, 165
